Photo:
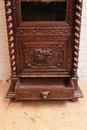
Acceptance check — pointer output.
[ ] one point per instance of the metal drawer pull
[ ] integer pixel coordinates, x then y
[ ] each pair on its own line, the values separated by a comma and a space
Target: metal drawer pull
44, 94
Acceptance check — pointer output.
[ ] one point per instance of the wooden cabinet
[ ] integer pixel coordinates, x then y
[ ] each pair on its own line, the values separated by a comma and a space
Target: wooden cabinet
43, 38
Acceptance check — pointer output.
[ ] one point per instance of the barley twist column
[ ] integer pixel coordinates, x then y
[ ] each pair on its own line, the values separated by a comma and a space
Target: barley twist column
10, 33
77, 35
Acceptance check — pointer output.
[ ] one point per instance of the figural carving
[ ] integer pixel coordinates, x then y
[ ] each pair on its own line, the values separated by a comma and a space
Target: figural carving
44, 94
44, 55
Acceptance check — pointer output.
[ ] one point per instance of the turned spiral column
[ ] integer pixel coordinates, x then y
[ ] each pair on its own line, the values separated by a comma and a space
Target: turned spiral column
10, 33
77, 35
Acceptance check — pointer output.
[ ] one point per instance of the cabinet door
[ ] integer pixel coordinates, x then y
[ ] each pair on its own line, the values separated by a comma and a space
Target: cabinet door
45, 57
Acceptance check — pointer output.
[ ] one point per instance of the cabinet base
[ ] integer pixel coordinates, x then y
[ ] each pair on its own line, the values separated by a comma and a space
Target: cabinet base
44, 89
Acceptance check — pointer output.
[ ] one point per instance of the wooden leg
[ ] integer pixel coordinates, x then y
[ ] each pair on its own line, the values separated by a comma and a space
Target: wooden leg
73, 100
14, 100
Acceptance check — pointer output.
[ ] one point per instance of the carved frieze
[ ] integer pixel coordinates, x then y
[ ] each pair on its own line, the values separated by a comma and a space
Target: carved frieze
44, 30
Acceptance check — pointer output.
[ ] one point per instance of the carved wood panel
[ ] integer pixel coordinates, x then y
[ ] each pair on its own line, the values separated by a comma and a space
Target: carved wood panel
44, 55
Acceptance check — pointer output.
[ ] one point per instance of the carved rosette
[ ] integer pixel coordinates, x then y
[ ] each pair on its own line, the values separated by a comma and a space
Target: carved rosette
10, 36
77, 35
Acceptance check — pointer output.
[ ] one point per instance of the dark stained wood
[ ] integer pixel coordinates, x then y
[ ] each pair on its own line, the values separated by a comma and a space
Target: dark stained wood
44, 50
44, 89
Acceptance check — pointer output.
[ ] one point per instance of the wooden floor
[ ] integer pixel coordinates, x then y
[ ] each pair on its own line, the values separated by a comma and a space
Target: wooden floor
46, 115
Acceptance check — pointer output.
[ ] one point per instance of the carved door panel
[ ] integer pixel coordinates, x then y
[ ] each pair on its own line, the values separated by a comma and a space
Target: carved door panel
45, 56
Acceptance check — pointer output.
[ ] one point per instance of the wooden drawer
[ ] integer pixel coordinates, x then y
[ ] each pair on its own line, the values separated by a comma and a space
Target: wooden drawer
44, 89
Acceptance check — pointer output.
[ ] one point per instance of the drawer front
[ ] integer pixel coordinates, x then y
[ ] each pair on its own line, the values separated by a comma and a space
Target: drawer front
45, 94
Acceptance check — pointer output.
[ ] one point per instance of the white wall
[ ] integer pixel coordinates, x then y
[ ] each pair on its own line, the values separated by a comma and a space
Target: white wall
4, 53
82, 70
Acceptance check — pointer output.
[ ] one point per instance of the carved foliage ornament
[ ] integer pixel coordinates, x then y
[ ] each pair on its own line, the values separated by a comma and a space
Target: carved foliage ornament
39, 30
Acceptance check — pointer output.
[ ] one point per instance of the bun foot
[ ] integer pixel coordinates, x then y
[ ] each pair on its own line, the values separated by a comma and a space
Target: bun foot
73, 100
14, 100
